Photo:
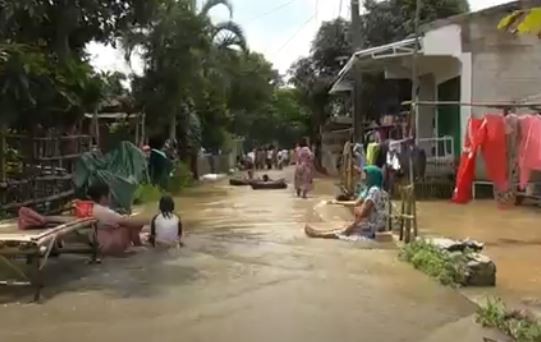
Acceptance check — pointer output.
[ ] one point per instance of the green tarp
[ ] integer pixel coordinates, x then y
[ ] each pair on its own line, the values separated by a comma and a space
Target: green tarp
123, 169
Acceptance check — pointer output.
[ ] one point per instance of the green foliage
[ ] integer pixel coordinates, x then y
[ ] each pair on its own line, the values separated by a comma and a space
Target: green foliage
261, 111
448, 268
37, 88
147, 193
392, 20
181, 179
518, 325
314, 75
184, 55
64, 27
45, 78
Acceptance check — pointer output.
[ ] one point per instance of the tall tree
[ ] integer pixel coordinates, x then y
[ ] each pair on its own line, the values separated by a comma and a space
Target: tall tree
183, 50
46, 57
313, 76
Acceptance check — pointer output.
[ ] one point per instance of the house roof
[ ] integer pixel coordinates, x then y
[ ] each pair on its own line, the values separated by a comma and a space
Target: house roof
400, 48
396, 49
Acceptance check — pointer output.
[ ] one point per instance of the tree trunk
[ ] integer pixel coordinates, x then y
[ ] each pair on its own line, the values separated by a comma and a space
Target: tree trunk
173, 127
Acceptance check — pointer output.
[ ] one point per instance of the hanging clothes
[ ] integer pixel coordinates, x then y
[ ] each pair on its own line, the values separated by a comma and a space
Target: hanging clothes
358, 152
530, 148
382, 155
418, 158
492, 139
507, 199
372, 153
466, 170
487, 135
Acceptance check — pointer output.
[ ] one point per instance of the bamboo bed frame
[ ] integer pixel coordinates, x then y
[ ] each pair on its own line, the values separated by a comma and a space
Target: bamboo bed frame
36, 246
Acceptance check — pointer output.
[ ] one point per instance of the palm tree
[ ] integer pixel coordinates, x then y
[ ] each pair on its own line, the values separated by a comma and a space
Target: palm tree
225, 34
174, 48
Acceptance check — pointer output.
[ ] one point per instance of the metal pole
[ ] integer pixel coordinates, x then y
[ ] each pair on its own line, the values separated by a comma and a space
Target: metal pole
356, 24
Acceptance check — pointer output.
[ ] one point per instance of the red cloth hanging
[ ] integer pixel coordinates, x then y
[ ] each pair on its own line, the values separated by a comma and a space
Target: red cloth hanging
492, 140
530, 148
466, 170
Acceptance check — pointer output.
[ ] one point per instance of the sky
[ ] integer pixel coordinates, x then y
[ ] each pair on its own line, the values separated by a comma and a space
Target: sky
280, 29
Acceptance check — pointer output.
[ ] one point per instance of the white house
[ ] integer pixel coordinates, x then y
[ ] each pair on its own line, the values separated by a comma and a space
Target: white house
462, 58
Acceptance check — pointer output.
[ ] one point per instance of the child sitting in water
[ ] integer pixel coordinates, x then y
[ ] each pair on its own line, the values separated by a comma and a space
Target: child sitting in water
166, 227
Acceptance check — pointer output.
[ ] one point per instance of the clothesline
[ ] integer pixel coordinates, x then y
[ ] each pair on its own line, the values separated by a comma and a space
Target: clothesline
475, 104
503, 148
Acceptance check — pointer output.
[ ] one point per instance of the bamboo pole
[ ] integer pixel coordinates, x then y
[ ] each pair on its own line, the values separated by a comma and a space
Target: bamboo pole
96, 128
3, 168
411, 206
492, 104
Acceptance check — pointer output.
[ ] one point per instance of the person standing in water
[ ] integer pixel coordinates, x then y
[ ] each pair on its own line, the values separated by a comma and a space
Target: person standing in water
304, 170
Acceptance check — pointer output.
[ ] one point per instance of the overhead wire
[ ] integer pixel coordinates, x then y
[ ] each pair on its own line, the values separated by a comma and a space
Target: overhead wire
296, 32
271, 11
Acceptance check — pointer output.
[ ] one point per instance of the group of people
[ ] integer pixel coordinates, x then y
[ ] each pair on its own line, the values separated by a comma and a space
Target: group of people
263, 158
117, 233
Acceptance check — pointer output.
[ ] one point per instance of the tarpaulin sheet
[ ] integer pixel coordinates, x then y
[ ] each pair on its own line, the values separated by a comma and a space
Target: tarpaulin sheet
123, 169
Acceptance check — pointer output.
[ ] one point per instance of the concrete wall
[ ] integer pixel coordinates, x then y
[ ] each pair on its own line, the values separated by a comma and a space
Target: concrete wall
443, 41
427, 114
214, 164
505, 67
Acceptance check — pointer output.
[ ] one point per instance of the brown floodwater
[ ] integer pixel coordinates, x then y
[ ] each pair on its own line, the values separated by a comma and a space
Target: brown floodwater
247, 273
512, 237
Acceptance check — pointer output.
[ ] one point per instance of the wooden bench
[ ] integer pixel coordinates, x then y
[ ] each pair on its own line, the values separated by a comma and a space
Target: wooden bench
36, 246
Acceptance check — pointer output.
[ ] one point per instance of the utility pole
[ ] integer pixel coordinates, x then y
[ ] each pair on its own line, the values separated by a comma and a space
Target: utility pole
356, 24
356, 37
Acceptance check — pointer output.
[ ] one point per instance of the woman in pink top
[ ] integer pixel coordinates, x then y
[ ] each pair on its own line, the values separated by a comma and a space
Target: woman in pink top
304, 170
116, 233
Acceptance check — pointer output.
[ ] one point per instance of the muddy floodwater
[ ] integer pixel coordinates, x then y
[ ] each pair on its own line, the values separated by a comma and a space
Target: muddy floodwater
247, 273
512, 236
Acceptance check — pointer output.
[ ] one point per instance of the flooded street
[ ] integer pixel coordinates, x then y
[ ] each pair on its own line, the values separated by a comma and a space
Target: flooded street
247, 273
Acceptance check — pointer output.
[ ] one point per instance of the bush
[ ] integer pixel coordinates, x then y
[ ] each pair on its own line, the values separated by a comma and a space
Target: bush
181, 179
518, 325
448, 268
147, 193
